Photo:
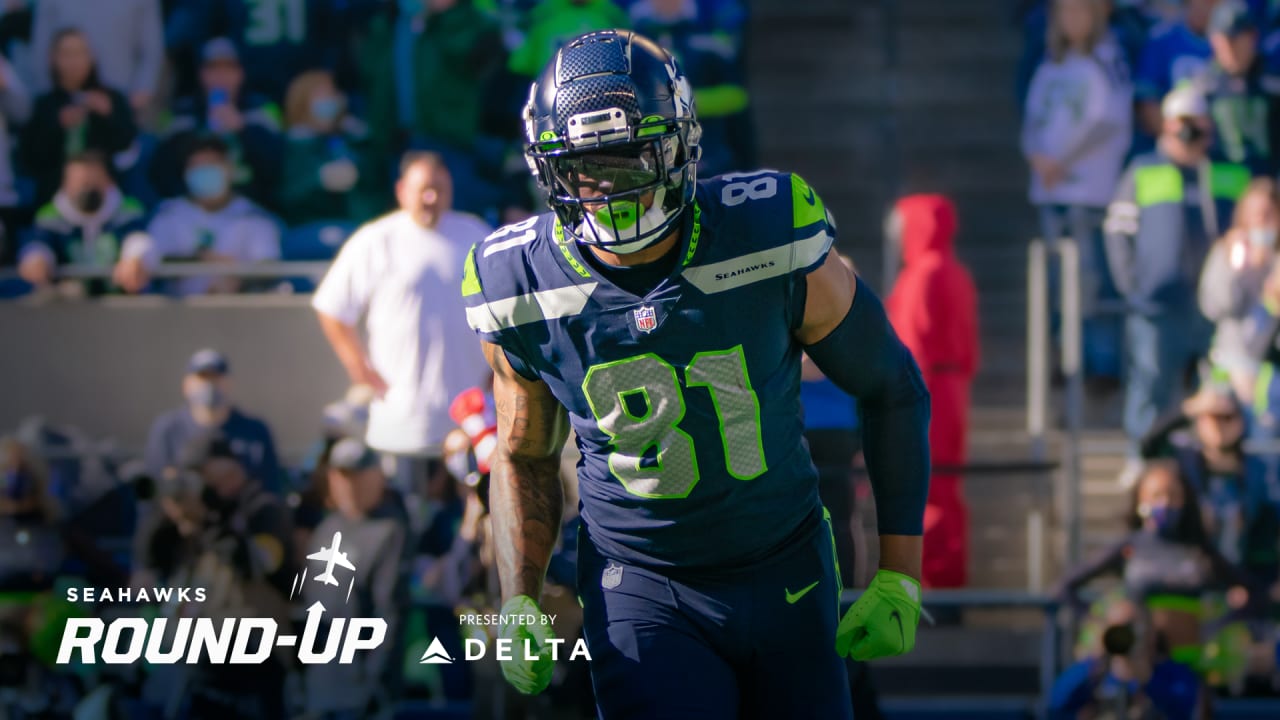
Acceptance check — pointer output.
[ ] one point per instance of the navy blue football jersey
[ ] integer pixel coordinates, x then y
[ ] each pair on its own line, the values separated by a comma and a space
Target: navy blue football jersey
685, 402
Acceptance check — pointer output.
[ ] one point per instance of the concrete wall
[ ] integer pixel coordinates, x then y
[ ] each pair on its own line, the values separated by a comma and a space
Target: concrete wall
110, 367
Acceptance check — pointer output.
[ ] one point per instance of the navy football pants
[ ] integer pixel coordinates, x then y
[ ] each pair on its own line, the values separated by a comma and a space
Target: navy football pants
717, 646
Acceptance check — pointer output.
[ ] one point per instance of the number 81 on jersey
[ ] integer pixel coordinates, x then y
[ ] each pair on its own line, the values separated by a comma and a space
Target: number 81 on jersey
615, 389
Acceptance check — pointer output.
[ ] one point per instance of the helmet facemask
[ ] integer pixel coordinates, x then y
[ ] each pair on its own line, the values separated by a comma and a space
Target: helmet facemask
622, 195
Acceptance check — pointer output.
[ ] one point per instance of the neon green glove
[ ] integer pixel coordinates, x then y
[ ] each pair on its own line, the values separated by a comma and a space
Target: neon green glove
883, 621
530, 677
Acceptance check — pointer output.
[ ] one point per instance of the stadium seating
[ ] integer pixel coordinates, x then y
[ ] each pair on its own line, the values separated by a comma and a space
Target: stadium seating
315, 241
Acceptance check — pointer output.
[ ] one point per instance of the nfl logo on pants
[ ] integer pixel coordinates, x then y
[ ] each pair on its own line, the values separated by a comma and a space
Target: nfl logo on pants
611, 577
646, 318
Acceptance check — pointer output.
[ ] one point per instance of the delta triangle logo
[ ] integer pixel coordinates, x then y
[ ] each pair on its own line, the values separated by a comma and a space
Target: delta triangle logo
435, 654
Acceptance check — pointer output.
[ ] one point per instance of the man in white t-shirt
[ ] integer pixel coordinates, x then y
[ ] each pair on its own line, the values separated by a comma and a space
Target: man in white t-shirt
401, 273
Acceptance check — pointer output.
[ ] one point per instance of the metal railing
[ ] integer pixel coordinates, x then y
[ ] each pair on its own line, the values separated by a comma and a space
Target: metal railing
1050, 639
1035, 528
170, 270
1070, 346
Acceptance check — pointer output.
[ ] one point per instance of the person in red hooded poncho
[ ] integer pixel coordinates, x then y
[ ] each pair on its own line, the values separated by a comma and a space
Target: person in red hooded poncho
934, 309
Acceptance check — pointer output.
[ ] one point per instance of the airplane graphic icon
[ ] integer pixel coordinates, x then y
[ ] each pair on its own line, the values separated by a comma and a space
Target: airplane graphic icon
331, 556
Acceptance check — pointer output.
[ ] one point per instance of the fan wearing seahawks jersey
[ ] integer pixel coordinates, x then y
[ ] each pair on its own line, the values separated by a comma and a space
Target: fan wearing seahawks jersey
664, 319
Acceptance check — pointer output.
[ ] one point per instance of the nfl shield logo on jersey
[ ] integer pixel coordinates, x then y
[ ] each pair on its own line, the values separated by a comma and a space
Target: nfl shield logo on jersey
646, 318
612, 576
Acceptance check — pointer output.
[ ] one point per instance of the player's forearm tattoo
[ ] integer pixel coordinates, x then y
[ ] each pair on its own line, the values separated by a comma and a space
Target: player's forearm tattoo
525, 497
525, 502
513, 414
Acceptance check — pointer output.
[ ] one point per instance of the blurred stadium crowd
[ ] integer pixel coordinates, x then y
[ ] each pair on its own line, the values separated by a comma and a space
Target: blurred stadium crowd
145, 131
1151, 130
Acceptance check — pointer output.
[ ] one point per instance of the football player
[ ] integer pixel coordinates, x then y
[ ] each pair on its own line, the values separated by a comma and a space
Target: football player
664, 319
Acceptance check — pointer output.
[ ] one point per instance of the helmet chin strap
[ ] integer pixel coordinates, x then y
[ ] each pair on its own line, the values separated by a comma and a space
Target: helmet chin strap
614, 231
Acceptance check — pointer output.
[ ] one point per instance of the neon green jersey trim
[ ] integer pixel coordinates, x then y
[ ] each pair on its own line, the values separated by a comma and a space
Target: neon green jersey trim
806, 206
470, 279
694, 235
564, 250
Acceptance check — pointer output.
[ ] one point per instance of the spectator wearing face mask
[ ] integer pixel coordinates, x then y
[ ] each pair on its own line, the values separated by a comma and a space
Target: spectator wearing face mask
1232, 281
1232, 82
79, 113
1170, 206
1166, 561
88, 223
207, 390
212, 223
248, 123
329, 171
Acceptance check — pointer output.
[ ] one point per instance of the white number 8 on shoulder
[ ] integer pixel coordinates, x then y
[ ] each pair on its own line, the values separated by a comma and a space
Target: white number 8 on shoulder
757, 187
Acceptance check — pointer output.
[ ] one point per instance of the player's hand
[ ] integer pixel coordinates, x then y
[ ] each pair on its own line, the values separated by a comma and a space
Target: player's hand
530, 677
882, 623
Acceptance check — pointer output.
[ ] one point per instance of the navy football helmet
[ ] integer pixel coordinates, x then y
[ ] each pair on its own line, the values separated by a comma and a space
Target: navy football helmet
609, 124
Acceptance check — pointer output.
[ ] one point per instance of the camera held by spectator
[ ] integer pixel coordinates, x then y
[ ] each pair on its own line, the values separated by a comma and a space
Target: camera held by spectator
1126, 677
233, 539
213, 506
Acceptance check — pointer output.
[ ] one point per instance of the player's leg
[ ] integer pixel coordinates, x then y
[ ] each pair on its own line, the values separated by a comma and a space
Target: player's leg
647, 660
796, 672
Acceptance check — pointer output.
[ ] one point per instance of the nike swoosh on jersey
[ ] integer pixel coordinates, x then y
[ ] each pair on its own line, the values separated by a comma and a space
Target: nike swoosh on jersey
793, 597
809, 196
